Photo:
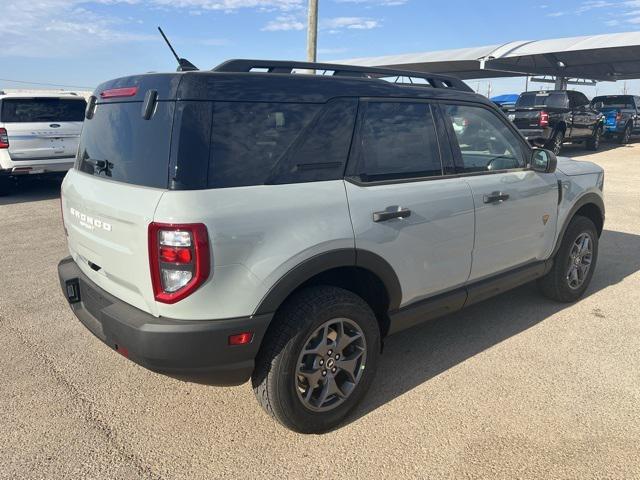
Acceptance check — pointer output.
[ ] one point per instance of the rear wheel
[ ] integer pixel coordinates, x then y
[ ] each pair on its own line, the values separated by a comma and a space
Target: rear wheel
625, 136
555, 143
311, 370
574, 263
594, 142
5, 185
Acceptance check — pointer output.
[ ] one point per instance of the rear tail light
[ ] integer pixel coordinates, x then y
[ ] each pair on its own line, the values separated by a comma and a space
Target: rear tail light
178, 258
544, 119
4, 138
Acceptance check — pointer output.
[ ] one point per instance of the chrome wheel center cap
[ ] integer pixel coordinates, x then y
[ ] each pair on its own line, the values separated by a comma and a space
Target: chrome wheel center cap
331, 363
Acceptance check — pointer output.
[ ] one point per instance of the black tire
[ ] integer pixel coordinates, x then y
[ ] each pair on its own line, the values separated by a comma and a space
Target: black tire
556, 284
555, 142
593, 143
5, 186
276, 380
625, 136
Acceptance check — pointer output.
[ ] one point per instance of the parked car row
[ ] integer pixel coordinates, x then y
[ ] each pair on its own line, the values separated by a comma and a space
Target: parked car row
551, 118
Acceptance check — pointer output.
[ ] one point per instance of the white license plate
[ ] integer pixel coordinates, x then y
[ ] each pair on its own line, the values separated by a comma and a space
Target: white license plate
36, 171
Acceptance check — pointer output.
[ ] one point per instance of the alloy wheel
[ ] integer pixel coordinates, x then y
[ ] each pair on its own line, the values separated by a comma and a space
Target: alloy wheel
331, 364
580, 258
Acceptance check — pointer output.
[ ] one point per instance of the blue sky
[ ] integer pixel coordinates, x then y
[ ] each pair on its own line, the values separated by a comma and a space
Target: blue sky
81, 43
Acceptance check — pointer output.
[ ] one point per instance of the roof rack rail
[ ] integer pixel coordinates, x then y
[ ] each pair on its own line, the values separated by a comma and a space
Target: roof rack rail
287, 67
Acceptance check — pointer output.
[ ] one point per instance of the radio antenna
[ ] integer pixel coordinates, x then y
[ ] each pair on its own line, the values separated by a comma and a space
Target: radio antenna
184, 65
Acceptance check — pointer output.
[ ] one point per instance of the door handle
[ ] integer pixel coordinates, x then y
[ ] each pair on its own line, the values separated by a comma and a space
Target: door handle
389, 214
496, 197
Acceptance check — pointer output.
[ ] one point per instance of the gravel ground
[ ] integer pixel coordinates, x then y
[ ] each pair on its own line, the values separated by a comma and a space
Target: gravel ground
515, 387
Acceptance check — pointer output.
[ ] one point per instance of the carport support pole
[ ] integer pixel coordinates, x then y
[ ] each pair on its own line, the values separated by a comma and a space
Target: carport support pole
312, 31
561, 83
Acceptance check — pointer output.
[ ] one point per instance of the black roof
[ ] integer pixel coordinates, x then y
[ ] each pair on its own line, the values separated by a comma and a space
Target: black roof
237, 80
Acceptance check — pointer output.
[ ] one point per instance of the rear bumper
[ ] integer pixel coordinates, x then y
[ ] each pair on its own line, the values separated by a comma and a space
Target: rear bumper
8, 166
193, 350
536, 134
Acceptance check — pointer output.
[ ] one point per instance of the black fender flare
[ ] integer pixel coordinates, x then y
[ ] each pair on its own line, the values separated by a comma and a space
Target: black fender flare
586, 199
347, 257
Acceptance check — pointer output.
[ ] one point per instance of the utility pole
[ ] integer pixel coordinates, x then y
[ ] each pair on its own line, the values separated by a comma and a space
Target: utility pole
312, 31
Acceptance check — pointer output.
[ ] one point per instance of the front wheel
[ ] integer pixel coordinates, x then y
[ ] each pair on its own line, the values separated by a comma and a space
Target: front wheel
318, 359
574, 263
593, 143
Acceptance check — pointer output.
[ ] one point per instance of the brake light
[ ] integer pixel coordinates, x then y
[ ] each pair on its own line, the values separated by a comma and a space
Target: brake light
544, 119
4, 138
119, 92
178, 259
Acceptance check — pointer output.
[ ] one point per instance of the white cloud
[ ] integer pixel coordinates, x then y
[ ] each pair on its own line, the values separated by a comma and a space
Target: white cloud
284, 23
613, 13
353, 23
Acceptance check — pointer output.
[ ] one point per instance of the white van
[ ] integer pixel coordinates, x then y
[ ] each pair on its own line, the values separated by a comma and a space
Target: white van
39, 133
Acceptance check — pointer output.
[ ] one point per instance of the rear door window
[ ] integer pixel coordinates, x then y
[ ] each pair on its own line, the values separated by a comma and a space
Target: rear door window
32, 110
397, 141
248, 139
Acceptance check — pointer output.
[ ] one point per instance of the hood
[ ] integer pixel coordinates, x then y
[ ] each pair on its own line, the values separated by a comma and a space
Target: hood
570, 167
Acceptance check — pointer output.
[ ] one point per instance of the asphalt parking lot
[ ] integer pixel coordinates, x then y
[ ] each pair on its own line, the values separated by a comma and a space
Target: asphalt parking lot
515, 387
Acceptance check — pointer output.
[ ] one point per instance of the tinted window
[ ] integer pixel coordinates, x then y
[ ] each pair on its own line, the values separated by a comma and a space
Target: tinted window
398, 140
577, 99
542, 99
485, 141
613, 102
21, 110
321, 153
249, 139
117, 143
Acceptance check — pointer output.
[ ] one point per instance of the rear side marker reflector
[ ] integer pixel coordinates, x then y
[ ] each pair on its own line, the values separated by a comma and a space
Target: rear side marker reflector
241, 338
119, 92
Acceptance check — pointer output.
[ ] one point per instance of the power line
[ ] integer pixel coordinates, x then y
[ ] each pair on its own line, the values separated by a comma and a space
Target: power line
45, 84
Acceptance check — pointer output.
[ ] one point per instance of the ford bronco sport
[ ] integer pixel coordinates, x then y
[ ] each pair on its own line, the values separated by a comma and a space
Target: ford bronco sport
252, 222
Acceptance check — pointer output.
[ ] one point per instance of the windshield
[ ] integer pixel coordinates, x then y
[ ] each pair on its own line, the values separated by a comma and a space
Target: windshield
23, 110
542, 99
613, 102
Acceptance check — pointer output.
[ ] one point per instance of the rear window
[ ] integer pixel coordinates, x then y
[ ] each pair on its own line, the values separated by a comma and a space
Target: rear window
119, 144
542, 99
23, 110
613, 102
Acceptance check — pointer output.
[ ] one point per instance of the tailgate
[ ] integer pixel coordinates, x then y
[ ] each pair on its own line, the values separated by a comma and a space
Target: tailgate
39, 141
106, 224
526, 118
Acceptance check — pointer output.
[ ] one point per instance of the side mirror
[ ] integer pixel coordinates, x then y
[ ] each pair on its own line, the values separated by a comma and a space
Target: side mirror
543, 161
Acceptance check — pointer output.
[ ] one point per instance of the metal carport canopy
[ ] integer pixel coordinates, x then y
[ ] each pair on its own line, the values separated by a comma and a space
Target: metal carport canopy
607, 57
